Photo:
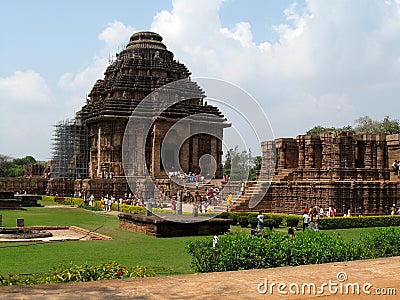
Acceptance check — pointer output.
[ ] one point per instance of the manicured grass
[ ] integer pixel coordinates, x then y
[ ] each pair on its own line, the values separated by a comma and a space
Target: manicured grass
166, 255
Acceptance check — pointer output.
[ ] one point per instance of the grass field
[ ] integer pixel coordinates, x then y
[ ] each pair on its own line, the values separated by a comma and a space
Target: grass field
166, 255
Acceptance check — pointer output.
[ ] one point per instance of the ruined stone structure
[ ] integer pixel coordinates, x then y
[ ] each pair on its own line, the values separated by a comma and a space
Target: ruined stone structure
142, 67
338, 169
34, 185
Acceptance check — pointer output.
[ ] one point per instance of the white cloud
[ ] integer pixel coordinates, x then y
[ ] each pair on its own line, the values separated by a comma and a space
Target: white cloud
341, 54
79, 84
25, 87
116, 34
242, 33
84, 79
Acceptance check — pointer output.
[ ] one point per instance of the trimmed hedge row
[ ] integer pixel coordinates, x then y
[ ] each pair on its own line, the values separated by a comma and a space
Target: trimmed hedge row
358, 222
123, 207
65, 200
248, 217
275, 249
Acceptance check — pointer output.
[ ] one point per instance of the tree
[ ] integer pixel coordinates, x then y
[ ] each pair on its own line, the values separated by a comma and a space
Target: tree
256, 167
365, 125
320, 129
390, 126
14, 167
238, 164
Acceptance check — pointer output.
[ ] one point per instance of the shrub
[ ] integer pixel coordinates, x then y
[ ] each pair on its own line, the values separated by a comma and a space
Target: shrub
79, 273
253, 221
48, 198
292, 221
358, 222
277, 218
244, 221
269, 223
274, 249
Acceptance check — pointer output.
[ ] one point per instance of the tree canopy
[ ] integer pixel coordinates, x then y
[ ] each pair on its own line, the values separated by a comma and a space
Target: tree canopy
14, 167
364, 125
241, 165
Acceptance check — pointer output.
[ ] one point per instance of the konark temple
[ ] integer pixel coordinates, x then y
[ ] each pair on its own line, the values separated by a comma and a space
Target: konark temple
339, 168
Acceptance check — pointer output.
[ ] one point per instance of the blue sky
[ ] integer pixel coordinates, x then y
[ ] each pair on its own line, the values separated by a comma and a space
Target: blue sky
307, 63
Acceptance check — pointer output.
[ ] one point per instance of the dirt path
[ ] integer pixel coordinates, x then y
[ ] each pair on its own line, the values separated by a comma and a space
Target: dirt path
373, 277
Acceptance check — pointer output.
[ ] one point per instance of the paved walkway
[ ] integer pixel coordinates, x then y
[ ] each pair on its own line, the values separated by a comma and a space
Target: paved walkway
374, 276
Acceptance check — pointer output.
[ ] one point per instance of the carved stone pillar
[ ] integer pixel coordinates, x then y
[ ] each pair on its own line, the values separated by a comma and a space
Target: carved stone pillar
282, 157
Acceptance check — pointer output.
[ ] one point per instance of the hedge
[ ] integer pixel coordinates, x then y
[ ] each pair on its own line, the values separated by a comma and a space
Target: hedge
279, 219
123, 207
358, 222
324, 223
65, 200
241, 251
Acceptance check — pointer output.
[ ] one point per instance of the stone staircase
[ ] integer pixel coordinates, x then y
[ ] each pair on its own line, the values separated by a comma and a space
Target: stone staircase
284, 175
242, 202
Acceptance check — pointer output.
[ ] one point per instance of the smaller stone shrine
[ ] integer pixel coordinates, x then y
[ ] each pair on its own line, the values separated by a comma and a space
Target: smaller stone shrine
156, 226
7, 201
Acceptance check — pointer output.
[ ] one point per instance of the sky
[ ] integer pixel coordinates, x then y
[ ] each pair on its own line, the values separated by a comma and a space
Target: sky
306, 62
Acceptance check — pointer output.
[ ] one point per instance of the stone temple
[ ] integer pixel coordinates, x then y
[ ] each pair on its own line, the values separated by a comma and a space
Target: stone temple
339, 169
142, 67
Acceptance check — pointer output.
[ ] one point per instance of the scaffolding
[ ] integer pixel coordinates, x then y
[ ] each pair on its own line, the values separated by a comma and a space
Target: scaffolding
70, 149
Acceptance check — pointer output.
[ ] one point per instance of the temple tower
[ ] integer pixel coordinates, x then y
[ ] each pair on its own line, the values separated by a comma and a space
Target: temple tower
143, 66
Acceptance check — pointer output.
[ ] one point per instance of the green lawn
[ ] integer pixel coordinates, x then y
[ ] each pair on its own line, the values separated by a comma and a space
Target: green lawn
166, 255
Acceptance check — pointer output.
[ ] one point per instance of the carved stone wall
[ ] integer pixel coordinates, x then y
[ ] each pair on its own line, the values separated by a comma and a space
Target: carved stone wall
34, 185
338, 169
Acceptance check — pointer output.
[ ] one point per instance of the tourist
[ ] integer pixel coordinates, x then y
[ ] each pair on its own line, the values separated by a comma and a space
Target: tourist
316, 220
386, 209
106, 203
215, 241
291, 231
91, 200
306, 218
393, 209
359, 211
228, 200
321, 212
398, 211
395, 167
260, 223
242, 189
311, 221
333, 212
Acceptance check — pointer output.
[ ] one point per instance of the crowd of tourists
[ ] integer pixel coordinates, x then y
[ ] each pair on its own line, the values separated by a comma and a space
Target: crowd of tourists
395, 167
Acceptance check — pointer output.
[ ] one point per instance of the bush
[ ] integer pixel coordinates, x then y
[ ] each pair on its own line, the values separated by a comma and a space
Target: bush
253, 221
358, 222
48, 198
269, 223
274, 249
292, 221
235, 216
277, 218
244, 221
79, 273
